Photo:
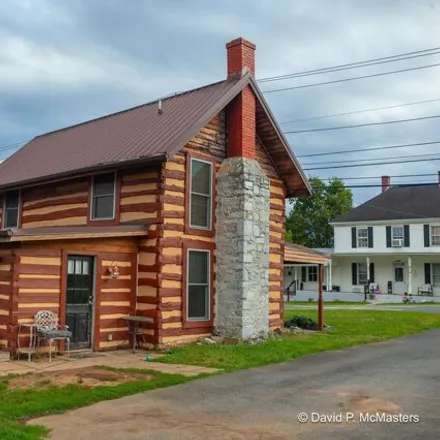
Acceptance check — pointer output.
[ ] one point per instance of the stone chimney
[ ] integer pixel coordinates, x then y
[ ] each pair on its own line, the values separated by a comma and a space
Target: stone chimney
386, 182
242, 212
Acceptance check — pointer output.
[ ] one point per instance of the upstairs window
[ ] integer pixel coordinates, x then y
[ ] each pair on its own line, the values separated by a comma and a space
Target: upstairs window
397, 236
362, 237
11, 209
435, 235
200, 194
103, 197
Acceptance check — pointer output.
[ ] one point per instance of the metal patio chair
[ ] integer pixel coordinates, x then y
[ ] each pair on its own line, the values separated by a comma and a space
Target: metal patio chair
48, 329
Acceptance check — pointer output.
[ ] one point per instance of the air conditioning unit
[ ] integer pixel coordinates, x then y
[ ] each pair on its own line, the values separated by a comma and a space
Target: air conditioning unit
397, 242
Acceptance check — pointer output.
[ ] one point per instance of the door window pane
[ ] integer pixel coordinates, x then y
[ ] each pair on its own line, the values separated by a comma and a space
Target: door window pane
398, 274
198, 289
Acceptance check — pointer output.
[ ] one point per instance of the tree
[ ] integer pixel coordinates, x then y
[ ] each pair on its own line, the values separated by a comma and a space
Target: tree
308, 222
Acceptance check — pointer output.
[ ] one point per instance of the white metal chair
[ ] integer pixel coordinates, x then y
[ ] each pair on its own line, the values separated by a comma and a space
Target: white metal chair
49, 329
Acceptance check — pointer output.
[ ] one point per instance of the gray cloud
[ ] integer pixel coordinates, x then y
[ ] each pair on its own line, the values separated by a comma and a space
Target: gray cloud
64, 61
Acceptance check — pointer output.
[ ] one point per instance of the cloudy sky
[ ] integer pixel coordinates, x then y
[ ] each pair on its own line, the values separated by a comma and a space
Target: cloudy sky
66, 61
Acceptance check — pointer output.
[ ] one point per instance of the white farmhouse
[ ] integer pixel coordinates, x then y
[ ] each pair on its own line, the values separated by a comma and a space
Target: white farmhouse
392, 240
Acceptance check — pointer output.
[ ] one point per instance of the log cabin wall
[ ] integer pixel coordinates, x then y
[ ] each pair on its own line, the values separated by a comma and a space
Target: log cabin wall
6, 295
41, 270
276, 237
67, 203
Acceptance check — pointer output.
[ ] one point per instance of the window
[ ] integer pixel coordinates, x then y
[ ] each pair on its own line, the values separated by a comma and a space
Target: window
313, 274
436, 275
397, 232
435, 235
362, 274
201, 194
11, 209
362, 237
198, 286
103, 197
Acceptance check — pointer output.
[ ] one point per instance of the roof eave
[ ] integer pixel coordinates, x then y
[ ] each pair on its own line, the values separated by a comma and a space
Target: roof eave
281, 136
163, 157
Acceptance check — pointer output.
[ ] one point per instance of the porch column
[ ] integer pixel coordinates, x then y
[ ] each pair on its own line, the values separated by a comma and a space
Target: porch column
330, 281
409, 276
368, 269
296, 279
320, 298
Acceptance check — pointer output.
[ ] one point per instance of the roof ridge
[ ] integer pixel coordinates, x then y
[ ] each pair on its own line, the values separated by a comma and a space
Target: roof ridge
165, 97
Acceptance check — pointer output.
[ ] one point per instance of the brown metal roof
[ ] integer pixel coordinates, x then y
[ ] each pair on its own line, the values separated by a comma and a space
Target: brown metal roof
295, 253
134, 134
139, 134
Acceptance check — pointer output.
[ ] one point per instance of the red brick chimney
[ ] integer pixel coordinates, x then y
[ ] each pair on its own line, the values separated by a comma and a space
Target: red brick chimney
386, 182
241, 54
241, 111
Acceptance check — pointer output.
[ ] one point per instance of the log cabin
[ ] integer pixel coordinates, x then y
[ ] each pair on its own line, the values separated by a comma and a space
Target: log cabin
173, 210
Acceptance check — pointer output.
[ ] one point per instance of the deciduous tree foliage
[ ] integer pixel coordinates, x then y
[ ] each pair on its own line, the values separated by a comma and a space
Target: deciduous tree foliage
308, 222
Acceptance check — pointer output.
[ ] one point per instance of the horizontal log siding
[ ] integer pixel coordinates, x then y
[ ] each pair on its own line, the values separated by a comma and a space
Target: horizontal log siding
138, 196
276, 237
210, 143
61, 204
117, 298
6, 296
41, 285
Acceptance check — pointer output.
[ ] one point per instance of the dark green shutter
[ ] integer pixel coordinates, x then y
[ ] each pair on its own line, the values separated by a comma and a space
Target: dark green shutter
353, 238
388, 236
354, 280
370, 237
372, 272
426, 235
427, 273
304, 274
406, 236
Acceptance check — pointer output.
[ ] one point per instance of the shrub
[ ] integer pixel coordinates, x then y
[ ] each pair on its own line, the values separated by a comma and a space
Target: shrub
372, 296
301, 321
310, 300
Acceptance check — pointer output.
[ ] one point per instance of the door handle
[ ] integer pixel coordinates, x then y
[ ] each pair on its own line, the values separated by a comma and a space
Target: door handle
90, 300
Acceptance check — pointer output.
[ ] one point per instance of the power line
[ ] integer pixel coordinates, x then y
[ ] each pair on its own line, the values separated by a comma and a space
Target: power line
360, 111
369, 124
374, 75
370, 165
388, 147
354, 65
378, 177
410, 156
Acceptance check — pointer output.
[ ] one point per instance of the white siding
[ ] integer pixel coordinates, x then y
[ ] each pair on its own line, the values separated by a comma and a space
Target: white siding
343, 241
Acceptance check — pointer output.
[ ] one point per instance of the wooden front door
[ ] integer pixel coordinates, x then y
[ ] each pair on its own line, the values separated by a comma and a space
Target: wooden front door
79, 304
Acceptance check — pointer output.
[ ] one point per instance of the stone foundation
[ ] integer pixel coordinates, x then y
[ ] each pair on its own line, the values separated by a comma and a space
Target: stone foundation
242, 249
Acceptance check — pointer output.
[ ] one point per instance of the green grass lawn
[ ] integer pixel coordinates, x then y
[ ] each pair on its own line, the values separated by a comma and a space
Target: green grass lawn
348, 328
326, 304
18, 405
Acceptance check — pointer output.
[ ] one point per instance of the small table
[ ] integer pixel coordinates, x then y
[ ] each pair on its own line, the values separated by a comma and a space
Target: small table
133, 323
32, 339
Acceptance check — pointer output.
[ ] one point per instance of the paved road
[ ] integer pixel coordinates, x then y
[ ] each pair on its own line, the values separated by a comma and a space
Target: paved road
397, 377
399, 308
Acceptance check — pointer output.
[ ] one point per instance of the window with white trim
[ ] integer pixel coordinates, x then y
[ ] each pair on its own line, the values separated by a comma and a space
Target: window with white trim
397, 232
200, 194
11, 209
362, 237
198, 285
103, 197
312, 274
435, 274
435, 235
362, 275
